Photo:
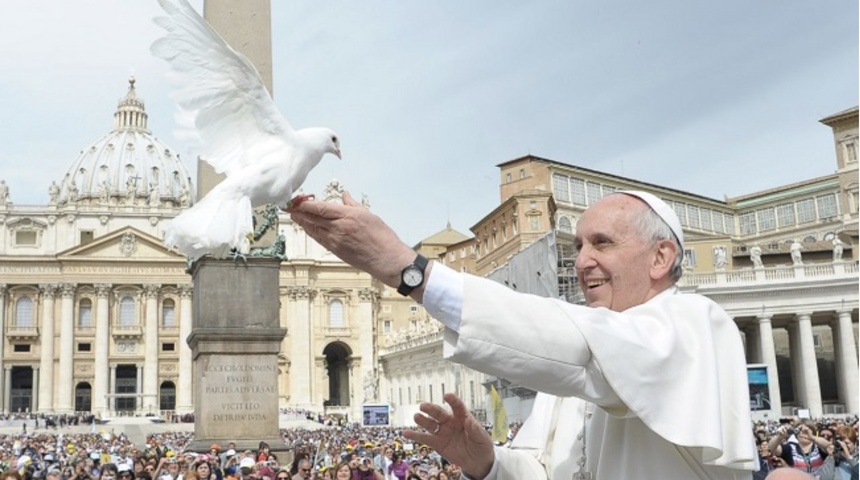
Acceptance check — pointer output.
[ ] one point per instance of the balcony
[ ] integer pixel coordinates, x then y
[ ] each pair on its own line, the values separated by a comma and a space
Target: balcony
126, 331
16, 332
781, 274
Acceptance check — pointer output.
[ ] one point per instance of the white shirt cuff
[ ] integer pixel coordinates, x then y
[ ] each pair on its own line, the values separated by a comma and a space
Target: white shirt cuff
494, 470
443, 295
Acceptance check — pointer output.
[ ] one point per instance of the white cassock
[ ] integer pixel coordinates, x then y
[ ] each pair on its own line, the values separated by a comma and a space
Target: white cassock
548, 444
666, 380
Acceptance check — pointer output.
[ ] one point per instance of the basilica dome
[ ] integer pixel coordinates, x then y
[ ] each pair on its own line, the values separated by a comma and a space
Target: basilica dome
127, 167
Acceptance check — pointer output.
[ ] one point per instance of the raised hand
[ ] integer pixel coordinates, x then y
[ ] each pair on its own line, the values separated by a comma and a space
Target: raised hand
456, 435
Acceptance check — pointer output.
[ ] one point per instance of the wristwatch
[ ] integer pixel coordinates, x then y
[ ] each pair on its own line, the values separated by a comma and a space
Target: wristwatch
412, 276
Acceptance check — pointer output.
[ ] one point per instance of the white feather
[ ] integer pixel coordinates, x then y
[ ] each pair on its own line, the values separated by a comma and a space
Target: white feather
241, 134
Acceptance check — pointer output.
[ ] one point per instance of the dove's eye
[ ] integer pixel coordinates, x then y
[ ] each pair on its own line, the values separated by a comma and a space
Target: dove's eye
334, 140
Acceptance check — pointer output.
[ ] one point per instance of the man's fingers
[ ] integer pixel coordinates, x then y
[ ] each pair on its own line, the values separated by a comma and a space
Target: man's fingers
349, 201
437, 413
427, 423
458, 408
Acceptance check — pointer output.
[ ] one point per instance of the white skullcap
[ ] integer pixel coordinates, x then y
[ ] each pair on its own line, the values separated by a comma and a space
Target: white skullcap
663, 210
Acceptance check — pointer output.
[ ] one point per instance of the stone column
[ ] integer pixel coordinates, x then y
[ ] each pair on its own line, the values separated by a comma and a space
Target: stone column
67, 343
369, 383
321, 392
846, 361
7, 387
138, 384
150, 370
102, 353
3, 402
752, 344
768, 357
811, 392
112, 388
300, 348
46, 363
35, 400
186, 367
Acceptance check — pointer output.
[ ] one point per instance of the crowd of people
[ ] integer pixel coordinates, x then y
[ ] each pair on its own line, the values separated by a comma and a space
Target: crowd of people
826, 449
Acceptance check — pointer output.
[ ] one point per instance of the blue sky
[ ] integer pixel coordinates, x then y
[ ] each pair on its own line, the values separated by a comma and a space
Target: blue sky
715, 98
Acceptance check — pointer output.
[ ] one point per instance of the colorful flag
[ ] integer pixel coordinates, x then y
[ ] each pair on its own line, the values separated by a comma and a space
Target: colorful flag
500, 417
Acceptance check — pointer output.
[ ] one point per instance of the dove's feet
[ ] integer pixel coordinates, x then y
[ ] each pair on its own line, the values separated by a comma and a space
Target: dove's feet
298, 200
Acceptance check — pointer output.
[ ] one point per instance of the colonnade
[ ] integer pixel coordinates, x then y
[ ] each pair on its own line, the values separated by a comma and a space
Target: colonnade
805, 375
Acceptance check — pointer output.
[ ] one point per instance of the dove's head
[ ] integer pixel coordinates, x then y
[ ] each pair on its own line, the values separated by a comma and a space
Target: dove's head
323, 139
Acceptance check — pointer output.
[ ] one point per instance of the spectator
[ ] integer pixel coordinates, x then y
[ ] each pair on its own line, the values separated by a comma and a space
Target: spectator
342, 471
800, 447
399, 467
304, 470
365, 470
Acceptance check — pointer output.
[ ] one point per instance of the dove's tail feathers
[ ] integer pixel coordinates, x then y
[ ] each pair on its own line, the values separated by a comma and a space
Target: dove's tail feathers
213, 226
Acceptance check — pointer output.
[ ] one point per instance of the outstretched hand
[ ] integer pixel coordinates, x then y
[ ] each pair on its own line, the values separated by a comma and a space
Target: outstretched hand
355, 235
456, 435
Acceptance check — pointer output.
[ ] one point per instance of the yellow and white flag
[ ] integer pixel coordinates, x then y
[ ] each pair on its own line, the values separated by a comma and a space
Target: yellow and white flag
500, 417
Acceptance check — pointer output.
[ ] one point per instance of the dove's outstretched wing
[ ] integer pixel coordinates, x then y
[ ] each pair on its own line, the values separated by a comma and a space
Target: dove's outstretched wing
232, 110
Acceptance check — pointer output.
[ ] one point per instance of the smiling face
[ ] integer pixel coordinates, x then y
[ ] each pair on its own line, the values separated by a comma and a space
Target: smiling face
343, 473
617, 266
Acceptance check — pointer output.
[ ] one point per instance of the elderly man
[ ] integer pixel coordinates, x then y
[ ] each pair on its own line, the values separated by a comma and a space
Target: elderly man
304, 472
662, 373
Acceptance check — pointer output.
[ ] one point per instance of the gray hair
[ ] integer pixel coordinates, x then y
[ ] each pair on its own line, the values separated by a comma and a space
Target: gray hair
655, 229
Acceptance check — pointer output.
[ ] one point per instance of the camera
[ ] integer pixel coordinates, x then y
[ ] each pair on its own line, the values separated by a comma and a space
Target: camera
795, 431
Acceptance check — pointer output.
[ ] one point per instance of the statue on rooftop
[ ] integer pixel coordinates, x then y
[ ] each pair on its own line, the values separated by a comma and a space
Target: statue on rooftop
755, 256
54, 193
838, 247
796, 257
4, 192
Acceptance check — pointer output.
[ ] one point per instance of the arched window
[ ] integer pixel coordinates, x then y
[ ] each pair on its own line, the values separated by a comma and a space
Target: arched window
335, 314
24, 312
167, 313
564, 225
85, 313
126, 311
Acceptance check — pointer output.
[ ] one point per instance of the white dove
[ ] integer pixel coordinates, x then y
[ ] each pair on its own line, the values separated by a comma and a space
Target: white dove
242, 134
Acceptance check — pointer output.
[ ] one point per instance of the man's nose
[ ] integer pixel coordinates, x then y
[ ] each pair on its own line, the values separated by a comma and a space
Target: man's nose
584, 259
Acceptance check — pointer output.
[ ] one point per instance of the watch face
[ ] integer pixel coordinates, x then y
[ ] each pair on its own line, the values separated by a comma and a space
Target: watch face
413, 276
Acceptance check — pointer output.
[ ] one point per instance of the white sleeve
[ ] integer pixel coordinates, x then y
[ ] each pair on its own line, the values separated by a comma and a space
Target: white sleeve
443, 295
511, 464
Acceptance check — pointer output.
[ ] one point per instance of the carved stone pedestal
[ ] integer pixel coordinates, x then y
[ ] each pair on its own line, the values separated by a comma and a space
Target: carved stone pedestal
235, 340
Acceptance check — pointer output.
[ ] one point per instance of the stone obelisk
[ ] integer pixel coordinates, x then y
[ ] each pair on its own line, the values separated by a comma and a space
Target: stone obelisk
236, 334
247, 26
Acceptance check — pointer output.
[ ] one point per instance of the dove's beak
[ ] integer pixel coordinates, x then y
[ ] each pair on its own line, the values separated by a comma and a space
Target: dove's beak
337, 152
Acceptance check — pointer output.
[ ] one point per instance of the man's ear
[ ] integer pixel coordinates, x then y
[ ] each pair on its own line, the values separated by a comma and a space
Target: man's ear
664, 256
